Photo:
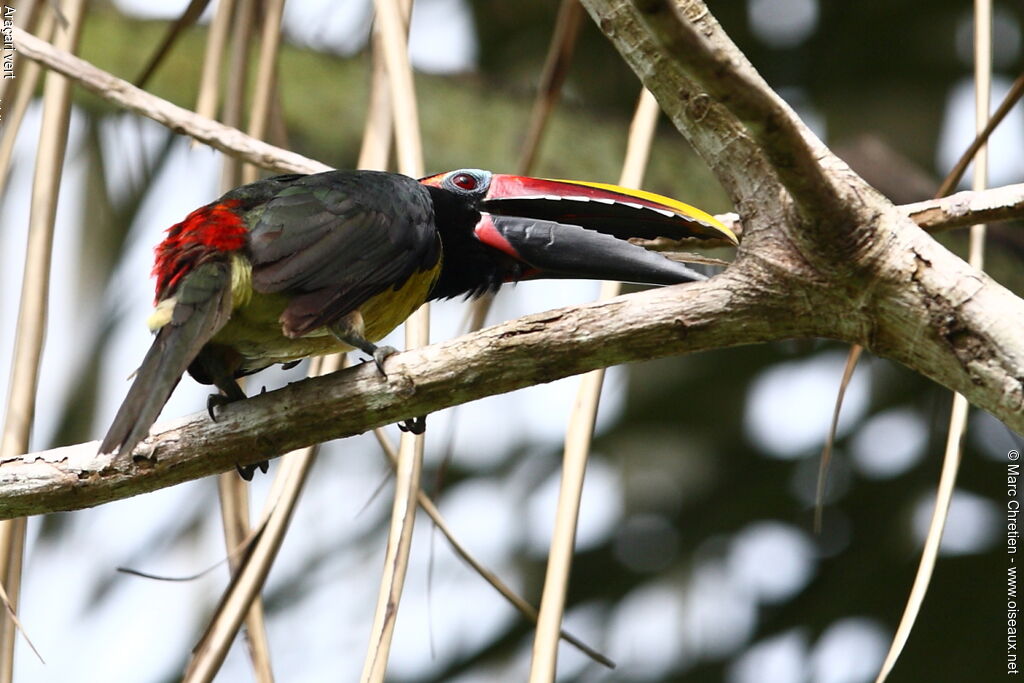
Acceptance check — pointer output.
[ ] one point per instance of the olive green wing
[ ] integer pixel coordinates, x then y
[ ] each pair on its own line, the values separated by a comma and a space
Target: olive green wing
332, 241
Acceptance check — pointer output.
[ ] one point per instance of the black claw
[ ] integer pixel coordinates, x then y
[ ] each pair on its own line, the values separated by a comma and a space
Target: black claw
263, 390
380, 354
415, 425
247, 471
216, 401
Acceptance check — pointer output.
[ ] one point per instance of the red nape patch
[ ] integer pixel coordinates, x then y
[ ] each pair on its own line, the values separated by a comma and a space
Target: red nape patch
211, 229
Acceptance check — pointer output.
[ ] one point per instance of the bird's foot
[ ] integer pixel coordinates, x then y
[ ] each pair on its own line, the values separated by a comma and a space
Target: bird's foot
247, 471
380, 354
214, 401
414, 425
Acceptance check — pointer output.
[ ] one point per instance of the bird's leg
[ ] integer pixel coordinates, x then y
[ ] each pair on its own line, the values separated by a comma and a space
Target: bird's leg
230, 392
350, 330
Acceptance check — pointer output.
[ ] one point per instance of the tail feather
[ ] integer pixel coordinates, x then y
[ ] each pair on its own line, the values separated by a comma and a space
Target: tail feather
202, 307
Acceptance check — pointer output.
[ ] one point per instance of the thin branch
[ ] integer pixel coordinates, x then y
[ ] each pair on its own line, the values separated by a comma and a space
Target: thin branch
953, 453
266, 76
233, 109
124, 94
967, 208
190, 16
556, 67
526, 609
953, 177
394, 27
25, 90
254, 566
19, 414
580, 432
216, 42
31, 15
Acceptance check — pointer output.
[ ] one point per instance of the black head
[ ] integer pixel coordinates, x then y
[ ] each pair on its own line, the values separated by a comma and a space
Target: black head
469, 266
501, 228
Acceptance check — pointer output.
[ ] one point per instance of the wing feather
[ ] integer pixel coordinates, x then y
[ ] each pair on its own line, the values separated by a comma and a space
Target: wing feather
332, 241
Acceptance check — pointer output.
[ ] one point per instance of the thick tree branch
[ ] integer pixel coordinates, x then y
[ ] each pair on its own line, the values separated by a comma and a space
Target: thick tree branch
715, 133
689, 36
944, 320
516, 354
920, 304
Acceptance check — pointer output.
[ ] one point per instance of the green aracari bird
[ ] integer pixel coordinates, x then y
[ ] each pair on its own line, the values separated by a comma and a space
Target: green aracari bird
295, 266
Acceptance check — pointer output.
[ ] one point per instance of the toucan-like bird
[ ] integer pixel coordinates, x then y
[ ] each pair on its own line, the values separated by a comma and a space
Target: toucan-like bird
305, 265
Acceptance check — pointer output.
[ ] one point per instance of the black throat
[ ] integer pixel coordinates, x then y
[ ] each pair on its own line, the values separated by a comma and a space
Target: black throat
467, 267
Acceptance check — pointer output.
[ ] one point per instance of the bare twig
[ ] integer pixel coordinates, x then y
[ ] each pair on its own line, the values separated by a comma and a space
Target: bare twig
579, 434
270, 41
968, 208
233, 111
958, 416
403, 93
252, 574
30, 14
556, 67
826, 452
224, 138
187, 18
234, 502
28, 79
13, 616
31, 325
209, 80
525, 608
394, 20
1011, 98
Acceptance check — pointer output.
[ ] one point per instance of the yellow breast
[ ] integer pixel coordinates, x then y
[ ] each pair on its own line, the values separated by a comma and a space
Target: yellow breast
254, 329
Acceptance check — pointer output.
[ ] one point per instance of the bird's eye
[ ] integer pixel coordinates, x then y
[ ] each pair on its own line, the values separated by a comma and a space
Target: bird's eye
465, 181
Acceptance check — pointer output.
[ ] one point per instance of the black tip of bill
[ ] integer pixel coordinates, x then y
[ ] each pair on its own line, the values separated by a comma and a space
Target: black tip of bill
558, 250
